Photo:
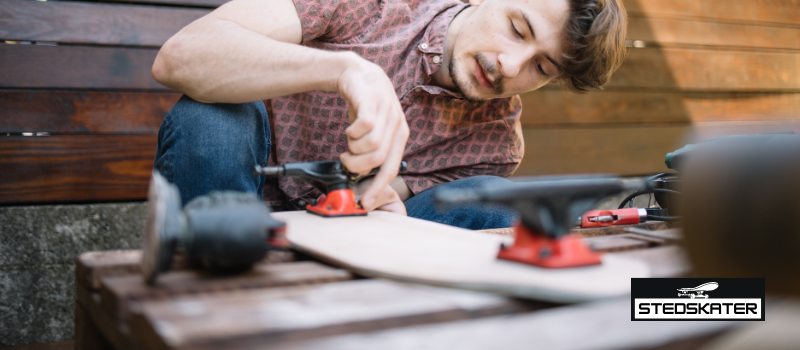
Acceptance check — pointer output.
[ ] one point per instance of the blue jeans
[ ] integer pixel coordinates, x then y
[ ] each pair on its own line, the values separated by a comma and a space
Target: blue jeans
206, 147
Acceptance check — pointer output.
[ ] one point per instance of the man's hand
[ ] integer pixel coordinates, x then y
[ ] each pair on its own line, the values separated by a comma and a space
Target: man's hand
378, 131
390, 198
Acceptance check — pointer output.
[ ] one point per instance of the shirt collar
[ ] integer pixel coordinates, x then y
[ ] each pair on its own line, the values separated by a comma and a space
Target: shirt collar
432, 44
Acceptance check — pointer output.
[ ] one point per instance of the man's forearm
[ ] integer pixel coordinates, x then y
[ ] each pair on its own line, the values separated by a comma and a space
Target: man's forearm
216, 60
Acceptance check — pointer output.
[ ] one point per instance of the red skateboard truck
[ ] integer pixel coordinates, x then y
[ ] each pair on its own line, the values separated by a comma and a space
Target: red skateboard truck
332, 179
547, 209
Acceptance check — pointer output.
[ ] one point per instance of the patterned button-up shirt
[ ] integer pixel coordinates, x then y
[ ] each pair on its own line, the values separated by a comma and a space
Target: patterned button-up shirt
450, 137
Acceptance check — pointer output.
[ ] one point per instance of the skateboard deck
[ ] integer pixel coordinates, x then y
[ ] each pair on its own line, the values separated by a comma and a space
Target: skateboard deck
387, 245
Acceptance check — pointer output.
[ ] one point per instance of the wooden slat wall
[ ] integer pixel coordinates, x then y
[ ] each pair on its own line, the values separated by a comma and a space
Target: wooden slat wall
78, 73
84, 112
87, 23
695, 70
76, 167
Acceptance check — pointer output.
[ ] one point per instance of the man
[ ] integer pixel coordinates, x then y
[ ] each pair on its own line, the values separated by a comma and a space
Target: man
373, 82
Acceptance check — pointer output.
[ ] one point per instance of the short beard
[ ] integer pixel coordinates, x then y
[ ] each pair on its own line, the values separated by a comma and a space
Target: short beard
462, 86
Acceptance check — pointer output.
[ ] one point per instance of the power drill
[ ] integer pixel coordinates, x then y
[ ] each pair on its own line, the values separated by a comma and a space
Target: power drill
222, 231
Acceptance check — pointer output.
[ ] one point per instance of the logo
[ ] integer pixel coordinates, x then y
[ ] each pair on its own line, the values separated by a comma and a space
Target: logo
654, 299
697, 292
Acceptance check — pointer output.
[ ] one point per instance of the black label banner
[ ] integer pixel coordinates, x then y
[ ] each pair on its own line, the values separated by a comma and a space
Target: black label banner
695, 299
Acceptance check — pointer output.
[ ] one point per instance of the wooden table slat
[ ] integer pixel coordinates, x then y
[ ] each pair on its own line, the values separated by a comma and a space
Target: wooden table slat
589, 326
93, 266
117, 293
256, 317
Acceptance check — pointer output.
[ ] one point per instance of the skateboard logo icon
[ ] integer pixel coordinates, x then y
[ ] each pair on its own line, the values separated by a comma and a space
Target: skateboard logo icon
697, 292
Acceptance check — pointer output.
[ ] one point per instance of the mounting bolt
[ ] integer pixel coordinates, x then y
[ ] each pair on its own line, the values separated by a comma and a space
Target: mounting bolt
545, 252
301, 203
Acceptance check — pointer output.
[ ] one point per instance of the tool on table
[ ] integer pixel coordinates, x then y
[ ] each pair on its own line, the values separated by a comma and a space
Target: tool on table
332, 179
626, 216
664, 187
223, 231
547, 211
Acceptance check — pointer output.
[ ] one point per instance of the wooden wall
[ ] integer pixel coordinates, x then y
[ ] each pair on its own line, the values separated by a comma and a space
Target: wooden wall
79, 109
77, 74
695, 69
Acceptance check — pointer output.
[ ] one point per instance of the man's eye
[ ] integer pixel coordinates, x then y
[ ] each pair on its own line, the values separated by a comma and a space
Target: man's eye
540, 68
516, 32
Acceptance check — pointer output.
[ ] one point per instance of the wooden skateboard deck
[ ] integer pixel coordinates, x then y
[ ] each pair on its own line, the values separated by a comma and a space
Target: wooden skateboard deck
397, 247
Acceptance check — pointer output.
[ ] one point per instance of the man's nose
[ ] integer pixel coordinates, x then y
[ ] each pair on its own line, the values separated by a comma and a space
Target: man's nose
511, 63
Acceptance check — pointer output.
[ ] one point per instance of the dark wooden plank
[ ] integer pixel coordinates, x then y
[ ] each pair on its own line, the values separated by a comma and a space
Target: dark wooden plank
668, 31
618, 229
75, 167
80, 67
119, 292
92, 267
87, 335
115, 332
633, 150
83, 111
57, 345
704, 69
594, 231
599, 325
267, 317
611, 238
83, 23
785, 12
621, 242
554, 106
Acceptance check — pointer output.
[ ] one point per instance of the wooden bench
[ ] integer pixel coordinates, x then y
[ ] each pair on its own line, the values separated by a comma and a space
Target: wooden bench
286, 302
79, 73
80, 109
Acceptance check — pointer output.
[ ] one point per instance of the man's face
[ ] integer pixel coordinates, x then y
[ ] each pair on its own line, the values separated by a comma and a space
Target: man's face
507, 47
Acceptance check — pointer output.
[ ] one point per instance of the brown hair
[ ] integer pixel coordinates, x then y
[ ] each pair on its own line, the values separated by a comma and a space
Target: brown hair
595, 43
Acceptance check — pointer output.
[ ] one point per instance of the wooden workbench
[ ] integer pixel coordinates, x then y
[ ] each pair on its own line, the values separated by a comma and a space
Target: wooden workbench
290, 302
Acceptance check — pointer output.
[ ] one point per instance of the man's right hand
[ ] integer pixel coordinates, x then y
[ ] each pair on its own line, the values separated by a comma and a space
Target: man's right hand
378, 131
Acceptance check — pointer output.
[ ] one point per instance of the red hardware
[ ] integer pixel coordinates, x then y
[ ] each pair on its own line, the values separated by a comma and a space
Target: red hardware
341, 202
539, 250
602, 218
277, 237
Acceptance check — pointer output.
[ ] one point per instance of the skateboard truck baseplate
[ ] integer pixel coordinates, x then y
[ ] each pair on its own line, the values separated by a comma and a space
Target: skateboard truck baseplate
332, 179
547, 208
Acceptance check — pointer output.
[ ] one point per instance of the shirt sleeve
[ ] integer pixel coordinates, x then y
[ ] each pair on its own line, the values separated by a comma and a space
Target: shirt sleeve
334, 20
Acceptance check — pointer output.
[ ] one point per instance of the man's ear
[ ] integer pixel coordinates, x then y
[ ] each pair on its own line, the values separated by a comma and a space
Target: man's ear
475, 3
